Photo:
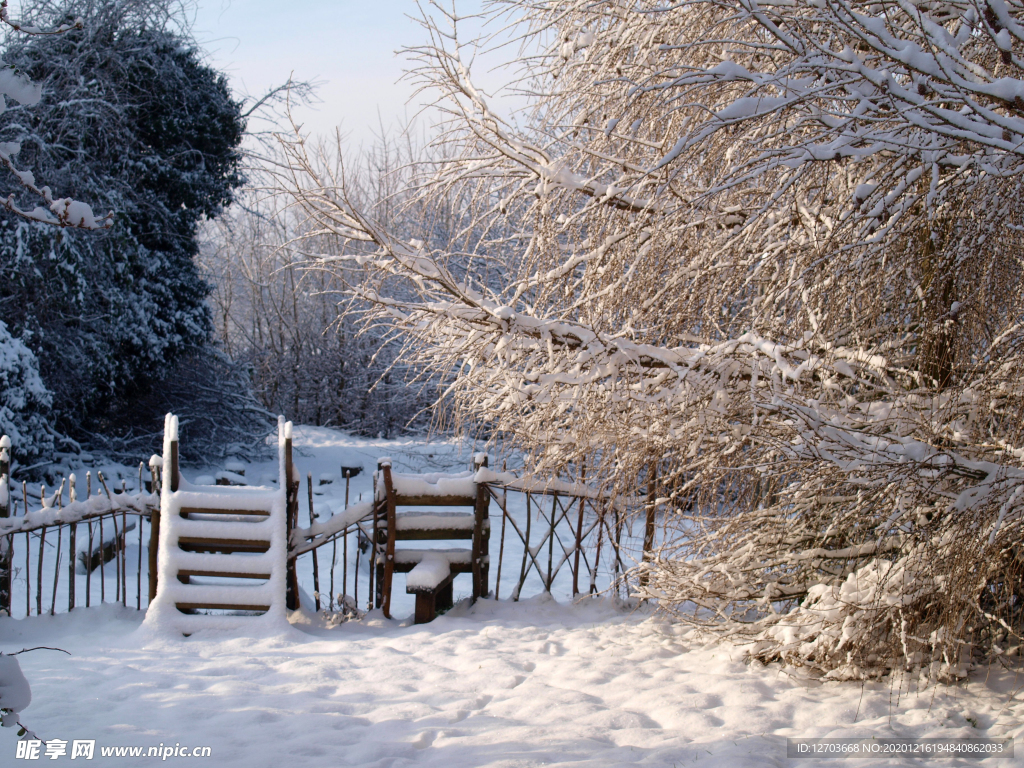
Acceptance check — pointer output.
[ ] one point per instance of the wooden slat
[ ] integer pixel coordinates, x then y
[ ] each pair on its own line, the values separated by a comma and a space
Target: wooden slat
186, 511
221, 607
433, 534
225, 574
200, 544
435, 501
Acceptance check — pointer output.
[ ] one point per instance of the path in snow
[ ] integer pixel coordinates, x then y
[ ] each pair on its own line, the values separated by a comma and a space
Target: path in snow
527, 684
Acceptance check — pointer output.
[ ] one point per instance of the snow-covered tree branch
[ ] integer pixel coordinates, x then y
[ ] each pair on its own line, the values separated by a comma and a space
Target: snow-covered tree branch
60, 212
762, 258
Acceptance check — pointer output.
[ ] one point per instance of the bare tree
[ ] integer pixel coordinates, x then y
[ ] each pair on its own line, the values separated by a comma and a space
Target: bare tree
762, 260
283, 307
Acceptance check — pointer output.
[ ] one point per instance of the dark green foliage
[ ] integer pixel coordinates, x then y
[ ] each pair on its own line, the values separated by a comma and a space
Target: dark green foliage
134, 122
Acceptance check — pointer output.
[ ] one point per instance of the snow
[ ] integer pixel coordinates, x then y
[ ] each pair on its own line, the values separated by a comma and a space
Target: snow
462, 484
17, 86
452, 556
429, 573
15, 693
409, 521
230, 478
542, 681
498, 684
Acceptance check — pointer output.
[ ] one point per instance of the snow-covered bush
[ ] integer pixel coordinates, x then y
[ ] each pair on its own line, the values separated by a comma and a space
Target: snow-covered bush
845, 630
24, 400
15, 693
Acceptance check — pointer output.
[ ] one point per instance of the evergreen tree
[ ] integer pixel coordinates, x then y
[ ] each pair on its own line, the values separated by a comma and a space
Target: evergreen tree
133, 121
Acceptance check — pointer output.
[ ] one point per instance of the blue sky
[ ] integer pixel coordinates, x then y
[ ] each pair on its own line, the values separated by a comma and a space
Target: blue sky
349, 45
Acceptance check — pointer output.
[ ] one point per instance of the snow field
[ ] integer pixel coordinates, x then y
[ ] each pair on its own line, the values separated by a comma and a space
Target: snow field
496, 684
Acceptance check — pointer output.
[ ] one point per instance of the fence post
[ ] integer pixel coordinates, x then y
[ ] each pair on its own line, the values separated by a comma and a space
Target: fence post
652, 498
579, 537
170, 477
316, 566
72, 544
376, 577
291, 519
483, 502
387, 574
579, 544
7, 542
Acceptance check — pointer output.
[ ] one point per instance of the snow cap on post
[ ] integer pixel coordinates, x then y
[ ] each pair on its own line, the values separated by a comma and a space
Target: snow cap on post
5, 442
480, 459
283, 435
155, 461
170, 437
384, 461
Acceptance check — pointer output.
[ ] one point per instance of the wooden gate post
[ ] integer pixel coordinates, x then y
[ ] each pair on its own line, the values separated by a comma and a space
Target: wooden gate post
291, 520
379, 531
389, 546
481, 569
6, 542
169, 480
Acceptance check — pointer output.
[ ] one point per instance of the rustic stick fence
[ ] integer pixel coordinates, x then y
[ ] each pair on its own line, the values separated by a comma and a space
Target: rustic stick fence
54, 544
71, 539
558, 536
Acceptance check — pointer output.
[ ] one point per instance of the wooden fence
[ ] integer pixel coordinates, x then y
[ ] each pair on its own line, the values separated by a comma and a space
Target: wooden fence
545, 538
85, 546
83, 531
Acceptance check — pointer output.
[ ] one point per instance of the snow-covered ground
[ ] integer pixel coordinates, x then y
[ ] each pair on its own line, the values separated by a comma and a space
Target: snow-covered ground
498, 684
539, 682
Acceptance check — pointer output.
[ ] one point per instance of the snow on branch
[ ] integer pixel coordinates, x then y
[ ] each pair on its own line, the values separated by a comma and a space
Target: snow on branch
761, 258
58, 211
